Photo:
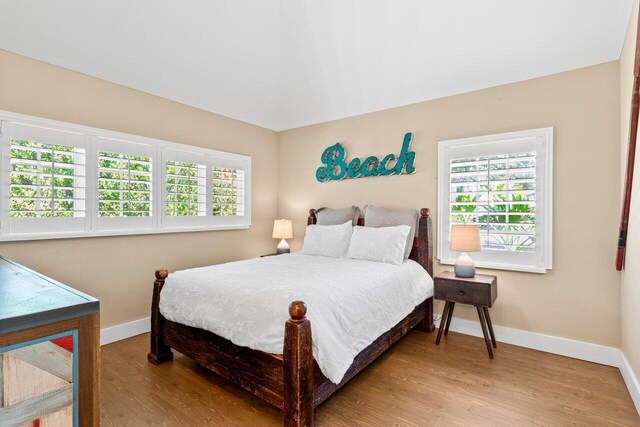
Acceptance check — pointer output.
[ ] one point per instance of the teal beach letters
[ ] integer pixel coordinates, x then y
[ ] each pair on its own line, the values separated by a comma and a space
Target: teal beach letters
336, 167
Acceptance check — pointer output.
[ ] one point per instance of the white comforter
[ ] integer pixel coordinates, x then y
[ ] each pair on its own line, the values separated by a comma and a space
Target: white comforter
350, 302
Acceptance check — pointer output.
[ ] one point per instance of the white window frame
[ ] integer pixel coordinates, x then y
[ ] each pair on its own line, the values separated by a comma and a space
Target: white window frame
541, 140
96, 140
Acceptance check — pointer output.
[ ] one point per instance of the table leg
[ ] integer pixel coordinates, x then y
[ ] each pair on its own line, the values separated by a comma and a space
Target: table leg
483, 323
443, 321
449, 316
490, 326
89, 367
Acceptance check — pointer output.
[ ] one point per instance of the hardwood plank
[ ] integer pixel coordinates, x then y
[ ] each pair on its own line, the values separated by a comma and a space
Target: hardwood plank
23, 380
49, 357
414, 383
37, 406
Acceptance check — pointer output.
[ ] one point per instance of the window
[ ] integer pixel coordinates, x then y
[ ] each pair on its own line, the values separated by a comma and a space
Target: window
503, 184
186, 187
124, 185
63, 180
45, 179
125, 198
228, 192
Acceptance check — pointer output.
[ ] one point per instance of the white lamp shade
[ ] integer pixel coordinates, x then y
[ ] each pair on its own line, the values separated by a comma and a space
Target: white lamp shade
282, 229
465, 238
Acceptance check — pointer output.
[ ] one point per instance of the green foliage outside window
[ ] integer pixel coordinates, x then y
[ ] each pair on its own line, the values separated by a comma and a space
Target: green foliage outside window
497, 193
42, 179
183, 183
124, 185
227, 186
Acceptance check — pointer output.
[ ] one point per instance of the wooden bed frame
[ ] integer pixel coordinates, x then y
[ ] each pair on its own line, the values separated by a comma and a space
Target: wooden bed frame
291, 381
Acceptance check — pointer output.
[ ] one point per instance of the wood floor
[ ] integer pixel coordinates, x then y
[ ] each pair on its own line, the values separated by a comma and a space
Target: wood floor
415, 383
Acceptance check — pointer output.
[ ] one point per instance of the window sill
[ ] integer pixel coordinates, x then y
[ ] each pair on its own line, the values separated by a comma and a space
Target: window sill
115, 233
501, 266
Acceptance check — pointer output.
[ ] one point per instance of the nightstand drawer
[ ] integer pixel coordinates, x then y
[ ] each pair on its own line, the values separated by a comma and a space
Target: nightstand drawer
465, 292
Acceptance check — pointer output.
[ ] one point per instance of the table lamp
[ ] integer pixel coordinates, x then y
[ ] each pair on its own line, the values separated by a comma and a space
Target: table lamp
465, 238
282, 229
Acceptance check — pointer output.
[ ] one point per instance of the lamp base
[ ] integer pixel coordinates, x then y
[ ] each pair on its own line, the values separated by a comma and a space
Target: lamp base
283, 247
464, 266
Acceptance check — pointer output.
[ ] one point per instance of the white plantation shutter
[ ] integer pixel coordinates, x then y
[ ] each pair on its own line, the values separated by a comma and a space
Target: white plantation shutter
497, 193
186, 188
185, 185
228, 192
125, 185
64, 180
502, 183
46, 179
129, 179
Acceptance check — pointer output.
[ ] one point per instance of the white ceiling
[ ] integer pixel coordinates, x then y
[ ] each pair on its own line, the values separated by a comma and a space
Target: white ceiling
282, 64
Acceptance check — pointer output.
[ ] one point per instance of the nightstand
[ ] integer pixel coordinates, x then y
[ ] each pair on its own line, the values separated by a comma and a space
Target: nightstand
480, 291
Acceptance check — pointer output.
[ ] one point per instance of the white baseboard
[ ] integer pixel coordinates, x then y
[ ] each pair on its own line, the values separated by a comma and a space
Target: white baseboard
630, 380
125, 330
596, 353
565, 347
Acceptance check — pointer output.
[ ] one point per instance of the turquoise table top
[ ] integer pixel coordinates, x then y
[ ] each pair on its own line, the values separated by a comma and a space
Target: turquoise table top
29, 299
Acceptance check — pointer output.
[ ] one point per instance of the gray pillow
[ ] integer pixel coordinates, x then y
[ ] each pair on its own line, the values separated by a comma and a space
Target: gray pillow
328, 216
382, 217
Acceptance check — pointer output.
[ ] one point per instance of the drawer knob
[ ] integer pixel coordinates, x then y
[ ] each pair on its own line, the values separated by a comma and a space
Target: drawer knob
461, 292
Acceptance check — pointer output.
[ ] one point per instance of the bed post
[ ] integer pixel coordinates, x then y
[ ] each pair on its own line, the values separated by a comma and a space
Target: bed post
298, 368
425, 240
159, 351
312, 219
427, 324
425, 257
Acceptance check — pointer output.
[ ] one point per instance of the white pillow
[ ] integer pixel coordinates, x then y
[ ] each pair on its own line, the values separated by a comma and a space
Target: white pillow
380, 244
327, 240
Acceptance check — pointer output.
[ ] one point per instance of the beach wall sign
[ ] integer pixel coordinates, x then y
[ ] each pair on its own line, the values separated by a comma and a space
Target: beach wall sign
336, 167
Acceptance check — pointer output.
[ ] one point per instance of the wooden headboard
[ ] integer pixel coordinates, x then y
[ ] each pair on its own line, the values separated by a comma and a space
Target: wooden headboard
422, 251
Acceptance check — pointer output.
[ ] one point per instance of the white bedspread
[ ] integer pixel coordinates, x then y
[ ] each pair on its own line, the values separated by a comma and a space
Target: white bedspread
350, 303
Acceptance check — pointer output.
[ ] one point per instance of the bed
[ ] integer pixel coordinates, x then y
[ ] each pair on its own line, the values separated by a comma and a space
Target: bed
304, 373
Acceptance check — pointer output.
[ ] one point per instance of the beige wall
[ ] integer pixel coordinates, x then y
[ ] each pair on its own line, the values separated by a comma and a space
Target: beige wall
579, 298
119, 270
630, 284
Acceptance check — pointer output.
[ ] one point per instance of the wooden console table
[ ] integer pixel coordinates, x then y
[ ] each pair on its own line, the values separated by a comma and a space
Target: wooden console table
50, 347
